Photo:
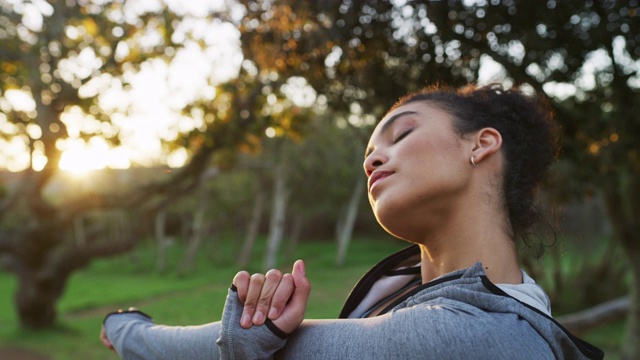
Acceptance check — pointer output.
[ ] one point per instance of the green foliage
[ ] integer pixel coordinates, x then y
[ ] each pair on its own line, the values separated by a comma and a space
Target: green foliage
324, 167
608, 339
578, 272
367, 53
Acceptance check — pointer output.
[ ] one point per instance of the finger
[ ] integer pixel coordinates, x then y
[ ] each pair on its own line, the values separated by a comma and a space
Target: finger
251, 301
105, 340
272, 280
241, 282
281, 296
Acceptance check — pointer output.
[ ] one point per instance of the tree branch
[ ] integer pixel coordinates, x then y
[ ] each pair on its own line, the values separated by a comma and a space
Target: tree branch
580, 322
79, 256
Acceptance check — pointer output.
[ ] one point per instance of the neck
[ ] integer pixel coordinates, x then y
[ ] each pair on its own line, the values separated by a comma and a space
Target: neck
471, 239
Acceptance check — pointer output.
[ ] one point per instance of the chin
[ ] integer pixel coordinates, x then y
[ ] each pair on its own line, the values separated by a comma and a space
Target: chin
402, 235
395, 225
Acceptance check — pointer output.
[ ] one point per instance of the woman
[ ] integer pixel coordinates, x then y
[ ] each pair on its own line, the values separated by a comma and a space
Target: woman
454, 173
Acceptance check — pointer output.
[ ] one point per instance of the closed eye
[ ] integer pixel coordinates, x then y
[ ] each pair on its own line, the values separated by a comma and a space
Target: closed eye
402, 136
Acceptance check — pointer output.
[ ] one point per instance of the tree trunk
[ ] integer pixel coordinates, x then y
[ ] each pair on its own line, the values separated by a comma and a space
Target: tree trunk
631, 340
78, 230
556, 269
278, 215
624, 211
299, 221
42, 277
215, 234
346, 225
252, 230
119, 225
161, 241
188, 261
36, 297
631, 244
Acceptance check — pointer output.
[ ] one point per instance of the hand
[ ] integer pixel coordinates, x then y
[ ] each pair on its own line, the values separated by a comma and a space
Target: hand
105, 340
103, 334
280, 298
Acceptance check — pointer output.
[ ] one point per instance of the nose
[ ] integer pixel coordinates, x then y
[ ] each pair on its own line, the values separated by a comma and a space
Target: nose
373, 161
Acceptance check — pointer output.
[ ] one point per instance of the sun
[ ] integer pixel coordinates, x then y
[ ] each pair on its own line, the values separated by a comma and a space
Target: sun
79, 158
79, 163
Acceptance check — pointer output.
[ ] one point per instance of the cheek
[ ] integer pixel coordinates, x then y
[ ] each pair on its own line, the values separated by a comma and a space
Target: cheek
417, 152
446, 155
429, 158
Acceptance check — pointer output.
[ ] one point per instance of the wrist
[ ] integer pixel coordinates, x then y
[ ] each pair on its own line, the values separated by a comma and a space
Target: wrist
131, 310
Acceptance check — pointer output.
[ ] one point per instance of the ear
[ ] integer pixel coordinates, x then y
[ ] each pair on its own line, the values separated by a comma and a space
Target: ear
487, 142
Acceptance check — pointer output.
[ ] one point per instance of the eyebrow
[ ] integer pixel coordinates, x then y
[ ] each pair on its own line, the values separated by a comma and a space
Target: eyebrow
395, 117
388, 124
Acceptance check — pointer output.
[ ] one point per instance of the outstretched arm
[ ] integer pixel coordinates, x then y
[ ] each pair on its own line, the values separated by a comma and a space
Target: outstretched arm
133, 335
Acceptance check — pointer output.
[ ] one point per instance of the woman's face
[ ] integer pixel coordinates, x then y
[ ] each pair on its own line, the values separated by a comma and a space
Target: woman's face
417, 168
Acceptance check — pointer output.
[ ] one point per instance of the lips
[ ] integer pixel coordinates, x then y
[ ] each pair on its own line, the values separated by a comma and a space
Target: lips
377, 176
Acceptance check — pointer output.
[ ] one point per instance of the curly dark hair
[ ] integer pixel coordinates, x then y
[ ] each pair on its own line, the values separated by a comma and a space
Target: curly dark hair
529, 133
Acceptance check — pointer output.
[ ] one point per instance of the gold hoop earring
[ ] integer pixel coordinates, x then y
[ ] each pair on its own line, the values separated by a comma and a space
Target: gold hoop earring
473, 161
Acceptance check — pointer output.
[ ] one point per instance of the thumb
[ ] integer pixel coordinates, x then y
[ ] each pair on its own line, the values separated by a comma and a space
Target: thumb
293, 313
302, 284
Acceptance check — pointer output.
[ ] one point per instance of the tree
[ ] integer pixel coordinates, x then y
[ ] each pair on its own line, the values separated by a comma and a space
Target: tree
584, 57
62, 56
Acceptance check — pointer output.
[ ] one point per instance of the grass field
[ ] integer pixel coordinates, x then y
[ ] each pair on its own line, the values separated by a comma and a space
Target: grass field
129, 280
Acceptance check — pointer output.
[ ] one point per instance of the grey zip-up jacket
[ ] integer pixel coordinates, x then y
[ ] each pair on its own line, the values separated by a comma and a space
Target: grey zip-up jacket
461, 315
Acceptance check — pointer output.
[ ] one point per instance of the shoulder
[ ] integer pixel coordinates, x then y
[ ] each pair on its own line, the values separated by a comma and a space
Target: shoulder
462, 328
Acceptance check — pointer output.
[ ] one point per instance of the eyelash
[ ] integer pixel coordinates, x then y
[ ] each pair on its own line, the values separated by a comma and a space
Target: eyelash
402, 136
